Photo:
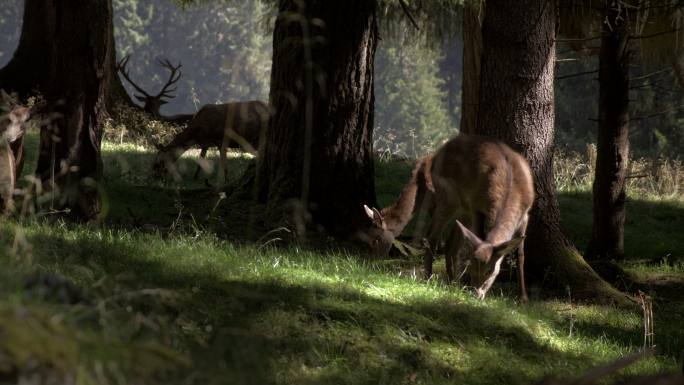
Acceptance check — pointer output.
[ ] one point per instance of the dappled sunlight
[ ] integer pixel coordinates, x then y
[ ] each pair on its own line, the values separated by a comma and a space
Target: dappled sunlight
302, 316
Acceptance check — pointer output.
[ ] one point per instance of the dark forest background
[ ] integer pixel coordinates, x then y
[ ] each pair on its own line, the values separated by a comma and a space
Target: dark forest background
226, 53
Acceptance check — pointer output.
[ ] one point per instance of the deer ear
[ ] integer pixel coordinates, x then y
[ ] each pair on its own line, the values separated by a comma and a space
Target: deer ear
469, 235
507, 247
375, 216
6, 97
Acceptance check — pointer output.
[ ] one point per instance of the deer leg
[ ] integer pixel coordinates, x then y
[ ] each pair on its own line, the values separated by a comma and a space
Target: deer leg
475, 268
455, 250
203, 155
521, 259
439, 219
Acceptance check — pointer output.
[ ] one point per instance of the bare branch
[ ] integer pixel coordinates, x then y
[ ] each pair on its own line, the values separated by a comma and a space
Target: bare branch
639, 37
408, 13
658, 113
576, 75
575, 40
640, 77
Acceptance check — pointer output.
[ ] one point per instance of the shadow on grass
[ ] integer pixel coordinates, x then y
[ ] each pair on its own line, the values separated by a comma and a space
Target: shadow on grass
263, 330
653, 230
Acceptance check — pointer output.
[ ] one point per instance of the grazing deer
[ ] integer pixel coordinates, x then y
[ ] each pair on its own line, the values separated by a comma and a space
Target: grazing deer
12, 130
152, 103
231, 125
486, 187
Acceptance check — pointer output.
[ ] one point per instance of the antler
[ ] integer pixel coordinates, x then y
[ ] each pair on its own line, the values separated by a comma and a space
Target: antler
121, 67
173, 78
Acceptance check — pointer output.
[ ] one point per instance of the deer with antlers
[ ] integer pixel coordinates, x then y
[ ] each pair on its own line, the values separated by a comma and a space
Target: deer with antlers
238, 125
152, 103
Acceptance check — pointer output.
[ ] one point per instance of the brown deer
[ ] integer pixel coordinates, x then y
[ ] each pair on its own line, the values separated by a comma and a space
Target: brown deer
152, 103
238, 125
12, 130
486, 187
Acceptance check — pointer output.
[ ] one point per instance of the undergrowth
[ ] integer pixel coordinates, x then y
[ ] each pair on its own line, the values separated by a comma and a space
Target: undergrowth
171, 290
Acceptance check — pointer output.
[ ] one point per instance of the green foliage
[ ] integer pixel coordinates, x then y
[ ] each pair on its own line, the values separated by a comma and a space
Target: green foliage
131, 125
411, 110
224, 48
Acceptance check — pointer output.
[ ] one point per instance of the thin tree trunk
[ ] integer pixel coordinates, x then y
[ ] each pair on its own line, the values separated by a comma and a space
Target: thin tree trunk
79, 72
612, 148
451, 70
317, 157
517, 106
473, 11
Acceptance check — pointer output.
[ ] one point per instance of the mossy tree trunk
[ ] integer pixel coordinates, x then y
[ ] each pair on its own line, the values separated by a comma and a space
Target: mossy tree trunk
316, 165
517, 106
75, 78
612, 147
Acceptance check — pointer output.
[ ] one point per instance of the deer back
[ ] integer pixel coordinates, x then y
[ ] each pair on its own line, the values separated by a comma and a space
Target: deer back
476, 176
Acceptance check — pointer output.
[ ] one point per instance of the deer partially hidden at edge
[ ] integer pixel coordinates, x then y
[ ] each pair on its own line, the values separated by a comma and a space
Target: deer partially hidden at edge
238, 125
486, 187
12, 130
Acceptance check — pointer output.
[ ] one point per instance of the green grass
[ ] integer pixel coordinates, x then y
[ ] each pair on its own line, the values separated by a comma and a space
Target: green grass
172, 292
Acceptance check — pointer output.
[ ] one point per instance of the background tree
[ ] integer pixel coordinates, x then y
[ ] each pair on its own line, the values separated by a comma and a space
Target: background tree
412, 111
318, 151
517, 106
66, 52
473, 13
612, 157
26, 71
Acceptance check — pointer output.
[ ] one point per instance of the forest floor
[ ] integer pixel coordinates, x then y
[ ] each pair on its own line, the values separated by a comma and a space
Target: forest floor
182, 285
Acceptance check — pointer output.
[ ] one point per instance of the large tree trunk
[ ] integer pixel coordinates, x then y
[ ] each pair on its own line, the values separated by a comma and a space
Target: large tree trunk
473, 11
517, 106
28, 71
612, 158
317, 157
78, 72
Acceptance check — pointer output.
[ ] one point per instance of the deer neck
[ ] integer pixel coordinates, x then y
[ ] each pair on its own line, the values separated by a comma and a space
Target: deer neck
402, 211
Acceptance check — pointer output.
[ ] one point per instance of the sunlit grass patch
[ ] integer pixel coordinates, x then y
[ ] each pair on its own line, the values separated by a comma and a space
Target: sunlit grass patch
165, 296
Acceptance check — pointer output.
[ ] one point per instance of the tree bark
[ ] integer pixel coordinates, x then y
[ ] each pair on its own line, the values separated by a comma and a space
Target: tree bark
28, 70
517, 106
473, 11
317, 159
76, 82
612, 147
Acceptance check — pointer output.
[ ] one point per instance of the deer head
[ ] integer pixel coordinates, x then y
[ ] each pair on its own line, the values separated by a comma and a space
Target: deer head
152, 103
387, 224
378, 237
18, 115
484, 258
